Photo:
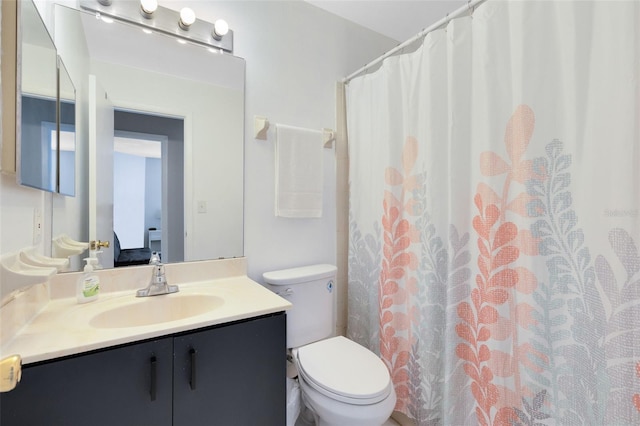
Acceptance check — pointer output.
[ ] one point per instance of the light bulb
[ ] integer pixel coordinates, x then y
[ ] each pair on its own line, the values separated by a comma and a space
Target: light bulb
148, 7
187, 17
220, 28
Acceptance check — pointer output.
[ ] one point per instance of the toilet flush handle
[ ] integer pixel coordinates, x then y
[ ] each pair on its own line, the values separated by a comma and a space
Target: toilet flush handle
286, 292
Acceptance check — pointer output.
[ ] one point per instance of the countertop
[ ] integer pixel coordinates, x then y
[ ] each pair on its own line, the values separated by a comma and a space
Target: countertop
64, 327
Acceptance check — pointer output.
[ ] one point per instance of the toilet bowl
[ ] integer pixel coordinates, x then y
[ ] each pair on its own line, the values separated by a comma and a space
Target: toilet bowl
341, 382
344, 383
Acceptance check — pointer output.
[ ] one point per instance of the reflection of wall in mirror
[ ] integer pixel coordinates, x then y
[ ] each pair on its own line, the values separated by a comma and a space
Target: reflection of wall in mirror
128, 199
39, 145
214, 121
136, 198
69, 214
39, 71
37, 148
38, 163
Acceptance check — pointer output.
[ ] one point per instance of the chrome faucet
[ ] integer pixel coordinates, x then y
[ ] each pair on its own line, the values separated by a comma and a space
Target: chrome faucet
158, 284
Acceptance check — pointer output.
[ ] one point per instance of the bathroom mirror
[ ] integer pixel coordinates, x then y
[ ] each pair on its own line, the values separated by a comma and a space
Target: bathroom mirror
147, 74
37, 154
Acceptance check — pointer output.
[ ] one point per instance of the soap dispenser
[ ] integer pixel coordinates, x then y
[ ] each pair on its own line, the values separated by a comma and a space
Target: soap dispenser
88, 285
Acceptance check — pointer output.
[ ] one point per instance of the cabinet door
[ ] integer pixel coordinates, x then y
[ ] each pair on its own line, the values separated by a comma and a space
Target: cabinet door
129, 385
232, 375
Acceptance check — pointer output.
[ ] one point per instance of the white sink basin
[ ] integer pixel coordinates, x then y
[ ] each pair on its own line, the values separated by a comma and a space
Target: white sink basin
156, 310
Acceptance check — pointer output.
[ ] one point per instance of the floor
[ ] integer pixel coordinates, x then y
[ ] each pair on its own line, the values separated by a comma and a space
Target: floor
390, 422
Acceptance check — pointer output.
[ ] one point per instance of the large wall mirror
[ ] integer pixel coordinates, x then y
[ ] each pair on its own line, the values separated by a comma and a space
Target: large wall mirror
160, 143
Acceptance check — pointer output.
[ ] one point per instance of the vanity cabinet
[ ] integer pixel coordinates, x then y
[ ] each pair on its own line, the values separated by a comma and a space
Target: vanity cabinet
223, 375
127, 385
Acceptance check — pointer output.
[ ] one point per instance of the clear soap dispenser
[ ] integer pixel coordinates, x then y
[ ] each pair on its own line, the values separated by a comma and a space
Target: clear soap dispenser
88, 285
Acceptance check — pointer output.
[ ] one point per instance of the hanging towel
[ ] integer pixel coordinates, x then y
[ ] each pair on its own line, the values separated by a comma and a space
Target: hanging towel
299, 179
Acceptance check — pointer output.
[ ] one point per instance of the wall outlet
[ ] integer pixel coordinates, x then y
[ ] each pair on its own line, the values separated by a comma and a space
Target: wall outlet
37, 226
202, 206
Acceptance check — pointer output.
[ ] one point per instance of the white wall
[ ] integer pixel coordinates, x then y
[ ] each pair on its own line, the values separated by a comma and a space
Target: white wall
208, 127
129, 187
295, 53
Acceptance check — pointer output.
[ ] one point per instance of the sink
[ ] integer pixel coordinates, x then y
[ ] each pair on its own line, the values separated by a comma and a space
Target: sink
156, 310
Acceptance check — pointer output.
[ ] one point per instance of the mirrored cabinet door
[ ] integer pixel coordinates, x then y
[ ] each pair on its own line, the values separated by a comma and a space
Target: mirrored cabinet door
37, 102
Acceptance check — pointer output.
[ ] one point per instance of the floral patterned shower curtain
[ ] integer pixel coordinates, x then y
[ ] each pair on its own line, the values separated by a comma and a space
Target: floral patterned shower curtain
494, 237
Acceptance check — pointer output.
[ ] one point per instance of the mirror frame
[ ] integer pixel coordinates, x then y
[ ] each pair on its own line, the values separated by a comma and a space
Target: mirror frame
10, 85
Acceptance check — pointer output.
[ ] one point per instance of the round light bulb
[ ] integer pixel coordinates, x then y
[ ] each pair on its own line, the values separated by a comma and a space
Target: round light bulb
148, 6
187, 17
220, 28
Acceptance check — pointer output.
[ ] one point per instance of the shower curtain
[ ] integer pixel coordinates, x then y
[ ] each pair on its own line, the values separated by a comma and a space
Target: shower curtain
494, 227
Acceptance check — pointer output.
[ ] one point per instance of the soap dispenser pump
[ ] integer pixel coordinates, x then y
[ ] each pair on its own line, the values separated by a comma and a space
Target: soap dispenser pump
88, 285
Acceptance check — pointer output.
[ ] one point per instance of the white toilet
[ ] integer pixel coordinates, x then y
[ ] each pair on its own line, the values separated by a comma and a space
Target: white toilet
342, 382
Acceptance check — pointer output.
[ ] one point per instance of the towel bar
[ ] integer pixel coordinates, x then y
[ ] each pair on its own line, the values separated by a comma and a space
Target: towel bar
261, 126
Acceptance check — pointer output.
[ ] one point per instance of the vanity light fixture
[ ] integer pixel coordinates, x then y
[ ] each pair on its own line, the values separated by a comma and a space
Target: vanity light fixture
149, 15
220, 29
147, 7
187, 18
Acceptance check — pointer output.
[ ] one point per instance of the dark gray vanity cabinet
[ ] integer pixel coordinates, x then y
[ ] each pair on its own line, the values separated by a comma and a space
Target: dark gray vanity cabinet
129, 385
231, 375
224, 375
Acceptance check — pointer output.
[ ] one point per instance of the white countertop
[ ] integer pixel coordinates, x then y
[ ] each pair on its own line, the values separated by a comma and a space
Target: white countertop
64, 327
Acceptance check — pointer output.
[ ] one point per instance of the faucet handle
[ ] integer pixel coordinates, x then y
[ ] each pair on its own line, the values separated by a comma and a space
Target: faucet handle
155, 258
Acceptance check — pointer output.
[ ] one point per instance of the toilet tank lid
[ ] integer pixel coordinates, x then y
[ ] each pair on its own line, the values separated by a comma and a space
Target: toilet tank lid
299, 275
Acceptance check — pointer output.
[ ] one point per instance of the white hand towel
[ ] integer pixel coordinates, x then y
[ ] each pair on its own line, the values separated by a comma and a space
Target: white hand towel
299, 177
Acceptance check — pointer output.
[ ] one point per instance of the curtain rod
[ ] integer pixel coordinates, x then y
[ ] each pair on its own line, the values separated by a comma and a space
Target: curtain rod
468, 8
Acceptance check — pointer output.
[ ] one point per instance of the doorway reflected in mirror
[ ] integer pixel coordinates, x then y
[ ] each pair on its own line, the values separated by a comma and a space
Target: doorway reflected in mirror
148, 206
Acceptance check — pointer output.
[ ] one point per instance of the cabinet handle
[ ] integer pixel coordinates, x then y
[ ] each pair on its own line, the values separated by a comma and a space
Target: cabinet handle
192, 381
153, 379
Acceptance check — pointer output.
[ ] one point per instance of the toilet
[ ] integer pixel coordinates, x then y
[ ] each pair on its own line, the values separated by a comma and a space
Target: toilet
342, 383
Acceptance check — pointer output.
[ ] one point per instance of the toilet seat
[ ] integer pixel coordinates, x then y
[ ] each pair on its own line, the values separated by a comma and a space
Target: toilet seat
344, 371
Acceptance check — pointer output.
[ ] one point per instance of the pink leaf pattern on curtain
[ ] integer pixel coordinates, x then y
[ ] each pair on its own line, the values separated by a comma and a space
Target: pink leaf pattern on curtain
395, 280
636, 396
500, 244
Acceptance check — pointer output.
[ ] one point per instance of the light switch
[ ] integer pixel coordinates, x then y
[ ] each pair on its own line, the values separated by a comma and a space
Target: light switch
37, 226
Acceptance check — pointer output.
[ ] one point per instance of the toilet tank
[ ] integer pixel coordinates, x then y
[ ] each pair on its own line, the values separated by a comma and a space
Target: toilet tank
311, 290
